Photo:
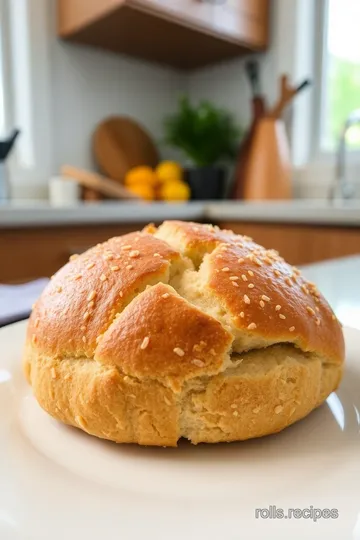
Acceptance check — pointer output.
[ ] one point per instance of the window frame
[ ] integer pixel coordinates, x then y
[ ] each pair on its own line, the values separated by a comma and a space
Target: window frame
5, 68
26, 40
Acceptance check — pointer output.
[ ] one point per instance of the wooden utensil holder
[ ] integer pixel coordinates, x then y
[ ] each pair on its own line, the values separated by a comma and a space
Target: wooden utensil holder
268, 172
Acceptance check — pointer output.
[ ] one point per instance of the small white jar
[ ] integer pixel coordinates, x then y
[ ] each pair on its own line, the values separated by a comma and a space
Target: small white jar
63, 191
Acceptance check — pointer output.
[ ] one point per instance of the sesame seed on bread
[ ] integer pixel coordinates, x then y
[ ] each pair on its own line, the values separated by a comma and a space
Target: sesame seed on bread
181, 331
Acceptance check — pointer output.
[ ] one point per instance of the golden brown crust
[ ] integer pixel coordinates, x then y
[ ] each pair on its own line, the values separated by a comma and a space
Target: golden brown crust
161, 336
192, 239
274, 301
83, 298
264, 295
132, 340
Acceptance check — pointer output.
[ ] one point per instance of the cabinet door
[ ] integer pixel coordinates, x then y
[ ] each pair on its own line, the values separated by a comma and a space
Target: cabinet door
27, 254
246, 20
242, 21
301, 244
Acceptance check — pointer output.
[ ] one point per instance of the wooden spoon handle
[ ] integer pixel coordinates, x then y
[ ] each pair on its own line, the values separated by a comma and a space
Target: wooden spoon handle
97, 182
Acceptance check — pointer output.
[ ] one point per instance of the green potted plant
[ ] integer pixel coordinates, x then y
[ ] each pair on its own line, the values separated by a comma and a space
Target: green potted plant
209, 137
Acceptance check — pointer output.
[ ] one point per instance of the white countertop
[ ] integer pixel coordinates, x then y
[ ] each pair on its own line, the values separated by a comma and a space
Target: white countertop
321, 212
39, 214
339, 281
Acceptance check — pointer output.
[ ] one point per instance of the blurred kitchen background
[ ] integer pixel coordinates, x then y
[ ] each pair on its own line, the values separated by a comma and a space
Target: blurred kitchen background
115, 113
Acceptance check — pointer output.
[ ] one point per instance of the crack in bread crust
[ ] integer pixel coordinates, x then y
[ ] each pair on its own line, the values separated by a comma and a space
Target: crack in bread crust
181, 331
266, 392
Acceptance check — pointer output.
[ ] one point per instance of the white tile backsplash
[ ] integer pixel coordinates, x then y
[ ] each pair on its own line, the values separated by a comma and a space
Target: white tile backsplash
90, 84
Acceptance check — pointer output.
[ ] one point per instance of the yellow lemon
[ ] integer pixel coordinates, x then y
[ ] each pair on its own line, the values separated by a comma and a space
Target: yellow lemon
141, 175
144, 191
175, 191
168, 171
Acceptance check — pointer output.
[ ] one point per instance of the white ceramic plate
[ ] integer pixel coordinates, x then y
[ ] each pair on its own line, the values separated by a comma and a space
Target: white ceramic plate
57, 483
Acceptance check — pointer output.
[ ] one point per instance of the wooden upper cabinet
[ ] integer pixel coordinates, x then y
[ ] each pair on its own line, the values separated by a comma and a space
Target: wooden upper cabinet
183, 33
244, 19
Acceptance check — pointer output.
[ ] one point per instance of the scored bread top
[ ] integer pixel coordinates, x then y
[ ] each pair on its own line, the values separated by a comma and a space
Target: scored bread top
273, 300
83, 298
105, 303
264, 296
193, 240
161, 335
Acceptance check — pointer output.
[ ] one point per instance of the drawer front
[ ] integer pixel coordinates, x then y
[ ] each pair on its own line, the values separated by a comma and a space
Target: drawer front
237, 20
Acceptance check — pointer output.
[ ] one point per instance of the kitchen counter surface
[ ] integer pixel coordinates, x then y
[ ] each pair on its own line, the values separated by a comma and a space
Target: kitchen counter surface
42, 214
338, 280
311, 211
39, 214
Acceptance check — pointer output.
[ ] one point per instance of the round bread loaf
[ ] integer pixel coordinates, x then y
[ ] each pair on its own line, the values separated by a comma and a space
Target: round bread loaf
181, 331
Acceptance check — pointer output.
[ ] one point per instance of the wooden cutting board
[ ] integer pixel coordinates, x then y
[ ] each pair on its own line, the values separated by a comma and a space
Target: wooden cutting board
120, 143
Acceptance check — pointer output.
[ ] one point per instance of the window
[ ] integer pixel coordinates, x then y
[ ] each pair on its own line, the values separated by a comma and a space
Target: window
340, 93
25, 86
3, 66
2, 103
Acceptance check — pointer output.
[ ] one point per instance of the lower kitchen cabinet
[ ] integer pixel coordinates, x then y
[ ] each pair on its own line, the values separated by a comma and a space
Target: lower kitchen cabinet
29, 253
301, 244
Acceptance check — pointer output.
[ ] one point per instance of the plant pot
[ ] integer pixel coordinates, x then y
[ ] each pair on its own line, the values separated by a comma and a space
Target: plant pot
206, 183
